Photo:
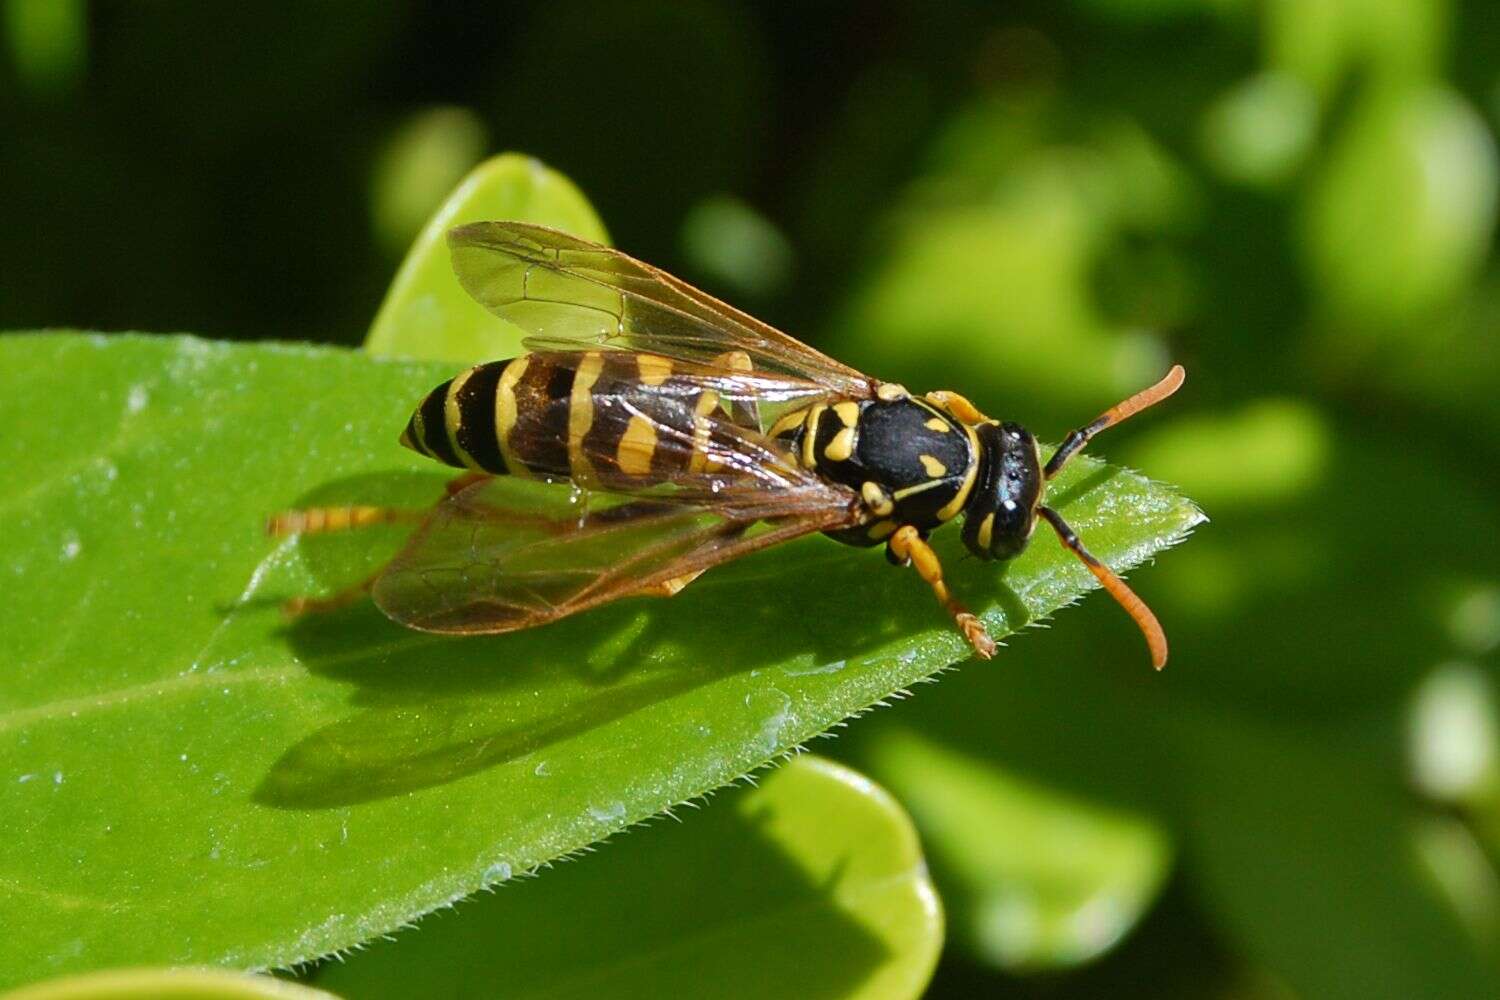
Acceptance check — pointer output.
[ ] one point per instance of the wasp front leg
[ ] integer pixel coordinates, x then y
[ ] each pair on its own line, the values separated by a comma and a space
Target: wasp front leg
908, 547
963, 410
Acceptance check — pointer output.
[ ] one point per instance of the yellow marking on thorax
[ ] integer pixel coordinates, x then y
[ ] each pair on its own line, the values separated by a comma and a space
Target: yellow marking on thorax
922, 487
950, 509
453, 419
848, 412
891, 391
505, 415
932, 466
636, 447
841, 446
987, 530
654, 369
581, 416
938, 424
881, 529
877, 499
810, 436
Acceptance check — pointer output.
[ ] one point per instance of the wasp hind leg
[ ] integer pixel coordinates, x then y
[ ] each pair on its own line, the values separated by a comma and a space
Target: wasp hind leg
325, 520
296, 607
672, 587
907, 547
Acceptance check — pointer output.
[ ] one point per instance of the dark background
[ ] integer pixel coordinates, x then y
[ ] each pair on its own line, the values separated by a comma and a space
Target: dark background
1039, 204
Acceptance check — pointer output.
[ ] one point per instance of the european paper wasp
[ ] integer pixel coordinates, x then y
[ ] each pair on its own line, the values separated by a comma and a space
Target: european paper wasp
684, 434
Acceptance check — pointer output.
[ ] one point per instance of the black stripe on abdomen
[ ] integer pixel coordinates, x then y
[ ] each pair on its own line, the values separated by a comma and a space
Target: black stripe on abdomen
476, 433
540, 435
435, 426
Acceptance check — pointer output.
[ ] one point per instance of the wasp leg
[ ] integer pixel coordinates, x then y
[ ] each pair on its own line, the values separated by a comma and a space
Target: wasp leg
322, 520
295, 607
463, 482
959, 406
908, 547
672, 587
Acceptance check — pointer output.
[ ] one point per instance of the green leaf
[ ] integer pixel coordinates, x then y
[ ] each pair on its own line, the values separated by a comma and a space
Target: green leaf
811, 885
425, 157
167, 984
185, 778
1034, 878
47, 42
425, 313
1305, 840
1411, 180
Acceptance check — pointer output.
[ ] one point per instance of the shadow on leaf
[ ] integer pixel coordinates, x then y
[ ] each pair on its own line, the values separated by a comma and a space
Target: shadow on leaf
433, 709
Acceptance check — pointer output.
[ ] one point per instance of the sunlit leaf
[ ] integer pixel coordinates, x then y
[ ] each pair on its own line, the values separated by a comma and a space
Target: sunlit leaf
1292, 834
1260, 131
1033, 878
188, 778
731, 243
811, 885
426, 314
167, 984
47, 41
422, 161
1269, 452
1411, 182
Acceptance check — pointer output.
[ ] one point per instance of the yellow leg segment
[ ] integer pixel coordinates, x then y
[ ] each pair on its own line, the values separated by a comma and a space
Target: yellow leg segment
322, 520
907, 545
965, 411
672, 587
295, 607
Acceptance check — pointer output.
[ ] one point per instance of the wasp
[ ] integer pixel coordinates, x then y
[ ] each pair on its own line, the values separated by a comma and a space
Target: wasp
680, 433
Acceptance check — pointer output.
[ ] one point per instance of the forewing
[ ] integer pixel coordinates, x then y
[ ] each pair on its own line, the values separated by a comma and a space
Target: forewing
570, 294
506, 554
706, 434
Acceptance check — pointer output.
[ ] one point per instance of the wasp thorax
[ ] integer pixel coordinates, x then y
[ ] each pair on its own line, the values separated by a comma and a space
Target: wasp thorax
1002, 510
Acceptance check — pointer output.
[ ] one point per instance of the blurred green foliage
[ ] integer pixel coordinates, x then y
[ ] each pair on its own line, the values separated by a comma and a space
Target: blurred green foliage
1037, 204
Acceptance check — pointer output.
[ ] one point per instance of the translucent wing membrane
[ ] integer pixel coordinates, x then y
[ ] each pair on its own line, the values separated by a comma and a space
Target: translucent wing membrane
505, 554
695, 432
570, 294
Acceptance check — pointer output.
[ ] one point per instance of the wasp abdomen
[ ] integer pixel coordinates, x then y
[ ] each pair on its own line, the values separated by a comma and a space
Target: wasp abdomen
599, 418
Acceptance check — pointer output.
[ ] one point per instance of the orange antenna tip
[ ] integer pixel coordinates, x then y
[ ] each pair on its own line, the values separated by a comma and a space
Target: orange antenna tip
1170, 383
1145, 619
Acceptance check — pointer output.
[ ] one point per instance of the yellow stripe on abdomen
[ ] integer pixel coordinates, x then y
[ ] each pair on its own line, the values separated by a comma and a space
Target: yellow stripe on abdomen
505, 414
637, 447
581, 416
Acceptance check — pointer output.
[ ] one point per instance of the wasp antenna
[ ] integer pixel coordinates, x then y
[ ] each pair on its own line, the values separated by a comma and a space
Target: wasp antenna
1074, 442
1156, 639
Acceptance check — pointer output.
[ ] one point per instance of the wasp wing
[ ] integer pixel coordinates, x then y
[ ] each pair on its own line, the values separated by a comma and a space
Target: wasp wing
570, 294
692, 430
505, 554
